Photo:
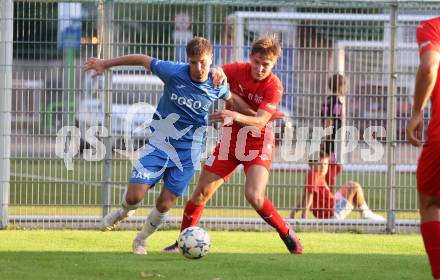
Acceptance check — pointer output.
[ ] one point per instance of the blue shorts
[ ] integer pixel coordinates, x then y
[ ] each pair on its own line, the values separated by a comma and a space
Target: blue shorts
176, 168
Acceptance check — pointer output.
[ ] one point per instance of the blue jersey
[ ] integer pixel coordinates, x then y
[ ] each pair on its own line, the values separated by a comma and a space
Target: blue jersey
185, 102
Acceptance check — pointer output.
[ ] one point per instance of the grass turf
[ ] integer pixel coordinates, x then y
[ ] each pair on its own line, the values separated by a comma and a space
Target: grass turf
234, 255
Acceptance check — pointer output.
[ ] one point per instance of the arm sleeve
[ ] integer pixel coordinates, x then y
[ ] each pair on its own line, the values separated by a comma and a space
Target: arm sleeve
428, 36
164, 69
272, 98
224, 93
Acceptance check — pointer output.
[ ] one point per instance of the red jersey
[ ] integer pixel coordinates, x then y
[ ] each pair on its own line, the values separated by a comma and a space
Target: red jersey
264, 94
323, 199
428, 38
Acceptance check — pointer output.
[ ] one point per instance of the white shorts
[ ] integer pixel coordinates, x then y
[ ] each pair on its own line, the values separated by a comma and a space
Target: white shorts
342, 207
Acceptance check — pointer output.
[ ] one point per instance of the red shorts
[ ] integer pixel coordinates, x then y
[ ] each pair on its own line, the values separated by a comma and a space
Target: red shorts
223, 164
428, 170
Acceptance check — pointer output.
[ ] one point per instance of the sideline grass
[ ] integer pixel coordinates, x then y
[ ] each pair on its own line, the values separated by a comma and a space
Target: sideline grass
43, 254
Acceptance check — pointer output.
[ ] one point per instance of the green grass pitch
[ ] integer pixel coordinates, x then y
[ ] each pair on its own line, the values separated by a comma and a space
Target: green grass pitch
44, 254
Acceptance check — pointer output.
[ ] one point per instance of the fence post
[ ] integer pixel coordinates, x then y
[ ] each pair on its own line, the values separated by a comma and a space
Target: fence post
208, 22
6, 33
105, 34
391, 122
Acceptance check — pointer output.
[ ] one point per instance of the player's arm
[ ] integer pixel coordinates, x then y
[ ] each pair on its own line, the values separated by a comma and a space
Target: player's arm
237, 104
264, 113
259, 121
234, 102
100, 65
297, 208
306, 203
425, 81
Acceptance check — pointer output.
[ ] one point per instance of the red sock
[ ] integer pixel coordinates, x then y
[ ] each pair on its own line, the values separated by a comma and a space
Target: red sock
273, 218
191, 215
430, 233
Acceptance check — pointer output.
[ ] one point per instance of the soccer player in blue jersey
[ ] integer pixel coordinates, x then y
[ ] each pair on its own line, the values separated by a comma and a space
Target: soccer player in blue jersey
178, 133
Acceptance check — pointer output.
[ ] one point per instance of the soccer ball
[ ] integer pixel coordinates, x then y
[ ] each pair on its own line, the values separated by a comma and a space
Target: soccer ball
194, 242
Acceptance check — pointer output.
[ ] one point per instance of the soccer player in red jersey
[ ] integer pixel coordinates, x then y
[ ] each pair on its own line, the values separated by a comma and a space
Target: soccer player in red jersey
319, 197
428, 169
246, 140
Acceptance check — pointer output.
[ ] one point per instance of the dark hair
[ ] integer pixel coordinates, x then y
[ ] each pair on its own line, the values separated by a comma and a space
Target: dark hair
198, 46
267, 45
318, 157
335, 82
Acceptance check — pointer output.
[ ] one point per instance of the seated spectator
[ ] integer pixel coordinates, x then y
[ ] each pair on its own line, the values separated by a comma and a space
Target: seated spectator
318, 197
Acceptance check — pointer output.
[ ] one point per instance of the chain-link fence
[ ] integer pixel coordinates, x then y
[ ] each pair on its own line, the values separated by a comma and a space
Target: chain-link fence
53, 175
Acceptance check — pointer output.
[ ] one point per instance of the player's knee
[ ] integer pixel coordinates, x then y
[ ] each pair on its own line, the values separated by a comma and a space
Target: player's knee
199, 197
164, 204
163, 207
354, 185
133, 199
255, 199
429, 204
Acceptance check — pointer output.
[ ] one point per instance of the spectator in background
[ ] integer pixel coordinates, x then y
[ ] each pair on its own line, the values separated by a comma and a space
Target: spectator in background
322, 201
332, 114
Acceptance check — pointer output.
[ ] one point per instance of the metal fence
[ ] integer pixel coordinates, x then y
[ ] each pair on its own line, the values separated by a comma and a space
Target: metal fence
49, 182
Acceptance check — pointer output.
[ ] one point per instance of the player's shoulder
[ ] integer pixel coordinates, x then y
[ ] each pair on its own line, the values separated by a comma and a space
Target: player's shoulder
428, 32
430, 22
274, 84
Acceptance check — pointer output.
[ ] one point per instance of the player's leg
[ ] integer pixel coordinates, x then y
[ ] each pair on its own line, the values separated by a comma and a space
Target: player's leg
428, 187
206, 187
176, 180
208, 183
354, 194
215, 172
430, 230
155, 219
131, 200
146, 172
255, 193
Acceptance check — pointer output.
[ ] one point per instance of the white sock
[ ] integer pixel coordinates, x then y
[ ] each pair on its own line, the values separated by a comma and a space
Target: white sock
154, 220
125, 213
364, 207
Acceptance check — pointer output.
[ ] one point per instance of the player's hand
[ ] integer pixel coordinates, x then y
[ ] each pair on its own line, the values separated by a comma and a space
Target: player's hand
414, 129
225, 116
218, 77
96, 65
277, 115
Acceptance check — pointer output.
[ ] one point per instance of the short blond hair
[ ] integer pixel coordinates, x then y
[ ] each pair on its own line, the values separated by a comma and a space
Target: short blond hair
268, 46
